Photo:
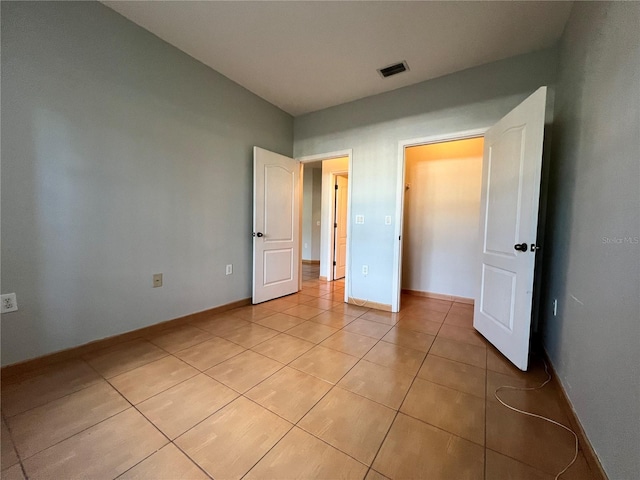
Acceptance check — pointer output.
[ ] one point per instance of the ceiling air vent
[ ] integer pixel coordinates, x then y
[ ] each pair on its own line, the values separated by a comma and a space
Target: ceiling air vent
393, 69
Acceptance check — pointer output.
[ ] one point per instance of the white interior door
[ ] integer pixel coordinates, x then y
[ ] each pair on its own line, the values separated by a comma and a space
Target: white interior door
276, 225
340, 228
508, 227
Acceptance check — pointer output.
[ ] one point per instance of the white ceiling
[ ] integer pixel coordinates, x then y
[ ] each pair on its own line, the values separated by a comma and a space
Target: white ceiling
306, 56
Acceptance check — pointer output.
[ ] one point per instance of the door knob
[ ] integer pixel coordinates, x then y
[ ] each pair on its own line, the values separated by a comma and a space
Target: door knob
259, 234
521, 247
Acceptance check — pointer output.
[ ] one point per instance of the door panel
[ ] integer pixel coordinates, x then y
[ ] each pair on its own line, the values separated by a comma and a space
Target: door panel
503, 195
498, 299
278, 203
509, 216
278, 266
276, 225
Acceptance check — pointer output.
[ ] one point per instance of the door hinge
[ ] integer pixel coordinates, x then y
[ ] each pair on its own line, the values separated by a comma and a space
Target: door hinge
334, 263
335, 225
336, 187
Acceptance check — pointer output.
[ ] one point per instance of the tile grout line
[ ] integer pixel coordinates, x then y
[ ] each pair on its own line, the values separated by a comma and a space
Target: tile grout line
397, 411
107, 381
155, 426
486, 382
401, 403
95, 424
13, 444
131, 369
295, 425
360, 358
334, 385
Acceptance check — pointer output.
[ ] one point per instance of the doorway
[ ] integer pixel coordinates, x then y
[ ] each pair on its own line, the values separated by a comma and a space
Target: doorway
332, 166
311, 219
443, 184
509, 225
399, 254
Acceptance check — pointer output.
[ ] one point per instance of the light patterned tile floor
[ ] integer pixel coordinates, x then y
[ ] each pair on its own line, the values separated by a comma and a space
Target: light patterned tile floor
300, 387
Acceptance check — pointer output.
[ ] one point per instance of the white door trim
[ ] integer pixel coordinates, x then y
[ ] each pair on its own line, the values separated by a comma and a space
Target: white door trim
326, 203
396, 284
334, 221
326, 156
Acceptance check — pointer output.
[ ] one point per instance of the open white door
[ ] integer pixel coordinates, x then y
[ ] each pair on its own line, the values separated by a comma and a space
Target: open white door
340, 228
276, 225
508, 226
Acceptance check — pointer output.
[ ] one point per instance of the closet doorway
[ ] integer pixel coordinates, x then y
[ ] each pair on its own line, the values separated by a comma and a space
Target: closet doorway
443, 183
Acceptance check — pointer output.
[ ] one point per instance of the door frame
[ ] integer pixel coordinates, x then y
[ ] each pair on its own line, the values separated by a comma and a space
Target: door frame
326, 206
396, 283
334, 221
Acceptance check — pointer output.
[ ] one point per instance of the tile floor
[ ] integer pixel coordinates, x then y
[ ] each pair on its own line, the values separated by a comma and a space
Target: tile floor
300, 387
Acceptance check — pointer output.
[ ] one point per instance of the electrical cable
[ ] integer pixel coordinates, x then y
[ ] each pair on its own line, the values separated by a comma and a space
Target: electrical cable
535, 415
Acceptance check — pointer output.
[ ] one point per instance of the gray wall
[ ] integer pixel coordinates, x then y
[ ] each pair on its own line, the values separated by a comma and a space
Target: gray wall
311, 208
593, 229
373, 126
121, 157
316, 214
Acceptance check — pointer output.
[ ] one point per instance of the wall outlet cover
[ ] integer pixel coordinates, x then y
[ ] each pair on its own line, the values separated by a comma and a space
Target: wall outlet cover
157, 280
229, 270
9, 303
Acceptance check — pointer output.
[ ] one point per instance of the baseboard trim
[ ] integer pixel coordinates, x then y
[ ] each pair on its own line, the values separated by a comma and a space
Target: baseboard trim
323, 279
368, 304
311, 262
439, 296
574, 422
26, 366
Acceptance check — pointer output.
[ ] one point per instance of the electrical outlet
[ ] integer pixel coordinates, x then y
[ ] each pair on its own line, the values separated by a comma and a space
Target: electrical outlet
365, 269
359, 219
157, 280
387, 220
229, 270
555, 307
9, 303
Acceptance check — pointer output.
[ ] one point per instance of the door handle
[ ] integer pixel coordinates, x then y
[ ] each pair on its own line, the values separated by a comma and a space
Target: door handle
521, 247
259, 234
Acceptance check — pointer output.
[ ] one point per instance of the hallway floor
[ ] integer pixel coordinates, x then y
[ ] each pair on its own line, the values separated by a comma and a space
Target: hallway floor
300, 387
